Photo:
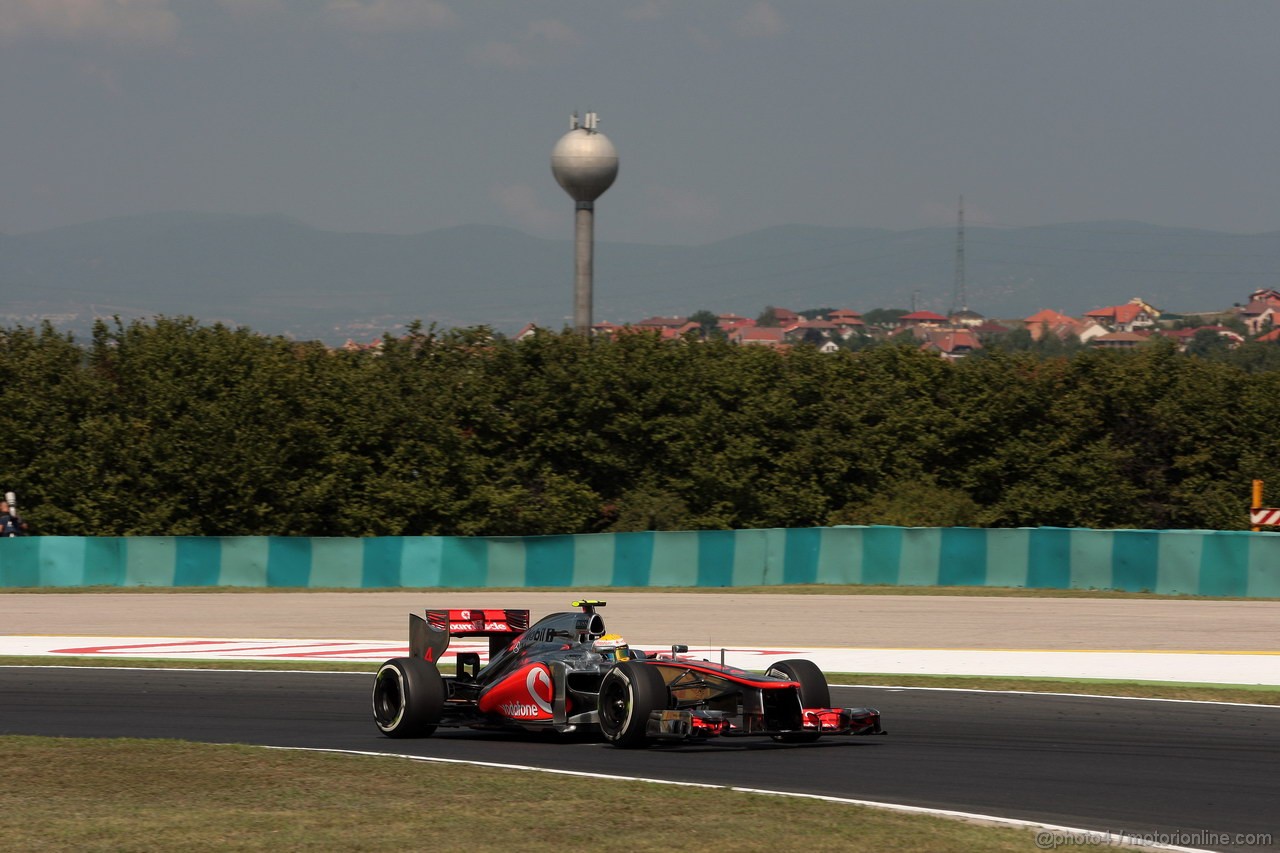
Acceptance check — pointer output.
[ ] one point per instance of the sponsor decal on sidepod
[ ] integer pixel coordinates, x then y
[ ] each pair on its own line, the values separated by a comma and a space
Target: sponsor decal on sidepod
523, 695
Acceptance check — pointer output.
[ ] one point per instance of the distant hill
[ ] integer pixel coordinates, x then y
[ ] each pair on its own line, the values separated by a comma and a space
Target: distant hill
279, 275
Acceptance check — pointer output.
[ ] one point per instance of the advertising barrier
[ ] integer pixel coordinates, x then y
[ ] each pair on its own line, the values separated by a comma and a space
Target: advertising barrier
1184, 562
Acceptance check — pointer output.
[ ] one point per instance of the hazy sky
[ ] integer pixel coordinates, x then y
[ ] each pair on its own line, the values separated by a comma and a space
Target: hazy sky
409, 115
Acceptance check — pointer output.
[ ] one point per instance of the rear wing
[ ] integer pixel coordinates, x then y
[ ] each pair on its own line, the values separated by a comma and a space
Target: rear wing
428, 638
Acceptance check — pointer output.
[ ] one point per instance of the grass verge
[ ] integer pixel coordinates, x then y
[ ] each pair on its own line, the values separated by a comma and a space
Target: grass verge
155, 795
1248, 694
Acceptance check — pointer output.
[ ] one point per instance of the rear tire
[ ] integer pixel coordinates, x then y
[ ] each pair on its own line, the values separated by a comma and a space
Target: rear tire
628, 694
408, 698
814, 692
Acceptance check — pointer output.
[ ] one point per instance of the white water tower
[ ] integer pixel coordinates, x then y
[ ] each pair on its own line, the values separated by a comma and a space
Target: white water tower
585, 163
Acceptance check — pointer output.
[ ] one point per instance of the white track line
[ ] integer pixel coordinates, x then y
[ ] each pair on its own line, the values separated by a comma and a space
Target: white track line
1065, 695
1226, 668
862, 686
1094, 837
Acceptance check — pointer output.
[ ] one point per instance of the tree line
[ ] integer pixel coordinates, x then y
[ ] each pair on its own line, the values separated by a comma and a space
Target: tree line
173, 427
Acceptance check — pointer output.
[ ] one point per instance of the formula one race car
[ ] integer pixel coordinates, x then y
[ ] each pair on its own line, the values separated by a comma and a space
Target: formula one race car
565, 674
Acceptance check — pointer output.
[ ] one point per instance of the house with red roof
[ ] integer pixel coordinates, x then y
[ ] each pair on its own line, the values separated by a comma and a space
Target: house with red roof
951, 344
1259, 314
1054, 323
767, 336
1091, 330
1181, 337
966, 318
847, 322
990, 329
785, 316
813, 331
1129, 317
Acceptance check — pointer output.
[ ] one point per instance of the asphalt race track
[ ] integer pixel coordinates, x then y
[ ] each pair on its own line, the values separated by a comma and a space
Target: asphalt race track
1103, 764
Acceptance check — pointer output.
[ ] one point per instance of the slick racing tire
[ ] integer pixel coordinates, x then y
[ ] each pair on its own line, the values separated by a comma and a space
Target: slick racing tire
814, 692
408, 698
628, 694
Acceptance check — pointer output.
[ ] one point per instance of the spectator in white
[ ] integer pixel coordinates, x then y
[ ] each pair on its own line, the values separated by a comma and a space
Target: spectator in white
10, 523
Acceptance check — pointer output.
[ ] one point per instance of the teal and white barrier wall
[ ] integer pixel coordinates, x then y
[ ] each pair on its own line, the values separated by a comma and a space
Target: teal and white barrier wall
1188, 562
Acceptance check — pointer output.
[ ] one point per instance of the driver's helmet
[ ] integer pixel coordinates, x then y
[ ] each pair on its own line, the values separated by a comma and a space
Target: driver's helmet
612, 647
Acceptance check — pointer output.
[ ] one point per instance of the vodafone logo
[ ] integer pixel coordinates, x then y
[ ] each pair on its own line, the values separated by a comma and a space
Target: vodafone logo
539, 678
538, 685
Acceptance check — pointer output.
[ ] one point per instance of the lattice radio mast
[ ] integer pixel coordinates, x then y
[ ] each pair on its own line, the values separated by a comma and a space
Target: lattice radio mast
959, 297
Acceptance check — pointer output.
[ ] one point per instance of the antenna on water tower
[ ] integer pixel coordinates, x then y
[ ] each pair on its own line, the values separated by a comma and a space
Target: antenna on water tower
585, 163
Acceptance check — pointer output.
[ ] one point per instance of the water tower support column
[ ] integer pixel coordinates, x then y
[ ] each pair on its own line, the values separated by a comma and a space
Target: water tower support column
583, 265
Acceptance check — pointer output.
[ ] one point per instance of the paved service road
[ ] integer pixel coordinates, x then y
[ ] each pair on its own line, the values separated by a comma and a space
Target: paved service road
713, 619
1101, 764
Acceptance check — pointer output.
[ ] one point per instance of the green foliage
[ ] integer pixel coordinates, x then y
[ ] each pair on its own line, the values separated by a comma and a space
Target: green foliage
650, 509
1254, 357
884, 316
706, 319
171, 427
1048, 345
708, 325
913, 503
768, 317
1206, 343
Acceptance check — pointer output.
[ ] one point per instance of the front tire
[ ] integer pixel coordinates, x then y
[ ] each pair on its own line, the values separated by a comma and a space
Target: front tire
408, 698
628, 694
814, 692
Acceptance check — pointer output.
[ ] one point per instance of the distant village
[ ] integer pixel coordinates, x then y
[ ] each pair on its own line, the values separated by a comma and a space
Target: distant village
964, 331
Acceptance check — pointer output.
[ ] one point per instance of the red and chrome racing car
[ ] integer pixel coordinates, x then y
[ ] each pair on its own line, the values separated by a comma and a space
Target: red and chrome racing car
566, 674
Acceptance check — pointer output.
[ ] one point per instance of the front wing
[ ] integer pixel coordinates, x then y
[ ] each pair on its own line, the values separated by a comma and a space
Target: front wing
697, 724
